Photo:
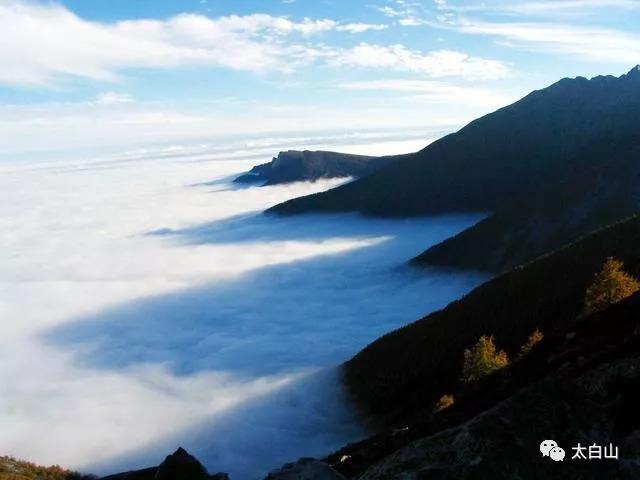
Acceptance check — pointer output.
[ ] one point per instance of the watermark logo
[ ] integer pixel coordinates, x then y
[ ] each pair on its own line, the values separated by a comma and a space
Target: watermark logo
549, 448
595, 452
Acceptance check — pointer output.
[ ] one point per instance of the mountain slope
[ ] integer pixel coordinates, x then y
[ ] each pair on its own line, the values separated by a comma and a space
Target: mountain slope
604, 190
579, 386
409, 368
297, 166
13, 469
495, 159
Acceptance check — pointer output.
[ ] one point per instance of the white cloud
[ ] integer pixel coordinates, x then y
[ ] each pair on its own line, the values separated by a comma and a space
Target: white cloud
590, 43
437, 92
407, 14
110, 98
360, 27
44, 43
390, 11
411, 21
436, 64
195, 338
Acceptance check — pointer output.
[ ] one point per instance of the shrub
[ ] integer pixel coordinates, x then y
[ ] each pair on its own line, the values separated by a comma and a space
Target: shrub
445, 402
483, 359
13, 469
611, 285
535, 338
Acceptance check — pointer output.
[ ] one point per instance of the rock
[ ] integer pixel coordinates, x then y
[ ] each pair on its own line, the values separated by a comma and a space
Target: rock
181, 466
305, 469
501, 443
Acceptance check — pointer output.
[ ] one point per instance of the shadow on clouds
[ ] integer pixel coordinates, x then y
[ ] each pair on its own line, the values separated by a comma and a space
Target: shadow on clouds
414, 234
291, 316
277, 320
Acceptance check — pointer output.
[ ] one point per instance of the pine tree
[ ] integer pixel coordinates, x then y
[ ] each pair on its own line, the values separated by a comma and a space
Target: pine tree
483, 359
611, 285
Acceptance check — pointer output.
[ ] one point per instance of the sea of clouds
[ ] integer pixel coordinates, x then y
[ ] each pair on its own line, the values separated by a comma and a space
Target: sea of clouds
146, 303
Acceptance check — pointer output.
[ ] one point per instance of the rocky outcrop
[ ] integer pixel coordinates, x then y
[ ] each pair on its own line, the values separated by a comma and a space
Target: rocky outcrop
298, 166
305, 469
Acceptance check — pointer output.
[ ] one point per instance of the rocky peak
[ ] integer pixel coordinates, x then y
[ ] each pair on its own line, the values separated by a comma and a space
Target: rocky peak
634, 72
180, 465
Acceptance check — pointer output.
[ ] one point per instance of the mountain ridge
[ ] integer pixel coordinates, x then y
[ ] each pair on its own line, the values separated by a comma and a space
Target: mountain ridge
306, 165
495, 158
591, 197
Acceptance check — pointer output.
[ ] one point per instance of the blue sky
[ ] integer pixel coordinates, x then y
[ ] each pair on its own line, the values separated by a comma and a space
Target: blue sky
115, 74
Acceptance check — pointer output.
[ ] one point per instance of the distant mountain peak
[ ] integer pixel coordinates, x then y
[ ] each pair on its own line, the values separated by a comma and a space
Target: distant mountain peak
634, 71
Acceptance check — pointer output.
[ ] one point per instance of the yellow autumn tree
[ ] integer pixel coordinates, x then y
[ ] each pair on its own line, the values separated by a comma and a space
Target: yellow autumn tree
482, 359
536, 337
610, 285
446, 401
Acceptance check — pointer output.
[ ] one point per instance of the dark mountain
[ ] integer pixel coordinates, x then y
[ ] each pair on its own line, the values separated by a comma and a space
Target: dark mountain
496, 159
605, 189
296, 166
